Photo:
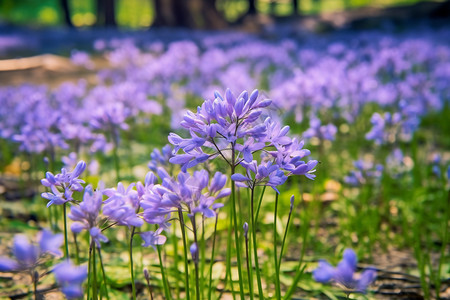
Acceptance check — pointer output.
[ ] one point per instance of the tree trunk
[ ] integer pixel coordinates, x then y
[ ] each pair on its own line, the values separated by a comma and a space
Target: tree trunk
182, 14
66, 12
106, 13
251, 7
213, 19
163, 13
295, 6
110, 13
100, 13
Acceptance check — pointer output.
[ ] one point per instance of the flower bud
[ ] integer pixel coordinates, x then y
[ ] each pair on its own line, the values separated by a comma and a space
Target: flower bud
194, 252
245, 230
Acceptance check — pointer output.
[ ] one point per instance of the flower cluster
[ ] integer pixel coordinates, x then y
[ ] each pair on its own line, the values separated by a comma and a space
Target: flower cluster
195, 194
63, 184
236, 128
365, 172
86, 215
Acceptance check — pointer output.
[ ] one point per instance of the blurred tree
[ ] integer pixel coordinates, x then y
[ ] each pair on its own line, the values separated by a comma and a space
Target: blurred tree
106, 13
66, 12
182, 13
188, 13
251, 7
162, 13
295, 6
212, 18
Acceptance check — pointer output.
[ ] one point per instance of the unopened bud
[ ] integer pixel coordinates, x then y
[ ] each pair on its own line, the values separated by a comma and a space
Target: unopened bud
245, 229
194, 252
146, 274
292, 202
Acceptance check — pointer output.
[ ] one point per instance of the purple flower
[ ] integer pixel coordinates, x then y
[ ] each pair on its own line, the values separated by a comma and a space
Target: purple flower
153, 238
323, 132
217, 126
344, 273
63, 184
256, 175
86, 215
122, 205
160, 158
365, 172
195, 193
70, 278
27, 254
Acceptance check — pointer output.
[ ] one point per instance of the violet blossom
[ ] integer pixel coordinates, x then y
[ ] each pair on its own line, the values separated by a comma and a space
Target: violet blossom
344, 273
63, 184
28, 254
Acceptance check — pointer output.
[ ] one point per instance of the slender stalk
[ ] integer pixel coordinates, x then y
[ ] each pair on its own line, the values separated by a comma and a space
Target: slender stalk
255, 248
149, 287
103, 272
195, 259
300, 269
66, 244
175, 264
249, 274
77, 249
259, 203
212, 258
443, 247
285, 234
275, 254
94, 271
133, 285
236, 230
35, 278
163, 274
89, 272
229, 248
186, 266
203, 257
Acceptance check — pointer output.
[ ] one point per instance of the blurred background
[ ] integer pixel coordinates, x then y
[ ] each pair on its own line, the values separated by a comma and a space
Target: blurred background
209, 14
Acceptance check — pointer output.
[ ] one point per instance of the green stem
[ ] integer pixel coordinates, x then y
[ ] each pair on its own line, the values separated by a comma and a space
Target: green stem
163, 274
229, 248
212, 258
197, 278
300, 269
89, 272
203, 258
133, 285
186, 266
94, 271
66, 244
116, 159
255, 248
275, 254
249, 274
103, 272
236, 230
77, 249
175, 264
259, 203
443, 247
285, 235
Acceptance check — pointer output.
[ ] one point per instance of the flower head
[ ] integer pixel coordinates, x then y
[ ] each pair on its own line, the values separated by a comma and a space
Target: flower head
27, 254
63, 184
70, 278
344, 273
